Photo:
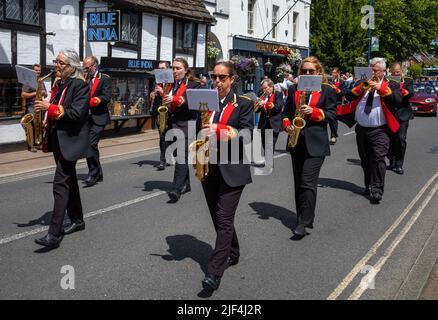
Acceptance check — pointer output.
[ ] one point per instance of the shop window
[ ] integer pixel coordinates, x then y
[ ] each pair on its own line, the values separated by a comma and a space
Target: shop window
129, 28
184, 37
275, 10
10, 98
21, 11
132, 93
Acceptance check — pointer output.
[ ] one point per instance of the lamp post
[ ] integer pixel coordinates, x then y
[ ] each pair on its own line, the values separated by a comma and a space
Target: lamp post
268, 66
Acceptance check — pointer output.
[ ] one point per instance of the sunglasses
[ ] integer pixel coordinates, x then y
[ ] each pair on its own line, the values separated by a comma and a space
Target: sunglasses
308, 71
61, 63
222, 77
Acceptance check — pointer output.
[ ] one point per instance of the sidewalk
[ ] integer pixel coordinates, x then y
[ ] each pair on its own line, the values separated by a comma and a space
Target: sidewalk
14, 161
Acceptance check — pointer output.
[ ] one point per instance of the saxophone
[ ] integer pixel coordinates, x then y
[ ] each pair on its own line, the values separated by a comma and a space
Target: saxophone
163, 112
201, 165
298, 122
32, 122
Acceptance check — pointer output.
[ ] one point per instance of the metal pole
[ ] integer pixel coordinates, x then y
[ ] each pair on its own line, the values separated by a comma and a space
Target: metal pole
370, 33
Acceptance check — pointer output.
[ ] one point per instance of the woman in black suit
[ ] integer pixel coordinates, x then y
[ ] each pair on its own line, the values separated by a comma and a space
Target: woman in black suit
181, 116
67, 113
225, 184
313, 143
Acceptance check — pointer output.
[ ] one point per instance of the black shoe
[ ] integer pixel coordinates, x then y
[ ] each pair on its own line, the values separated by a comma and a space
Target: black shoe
49, 241
211, 282
174, 196
366, 191
73, 227
90, 182
390, 167
398, 170
310, 226
168, 164
186, 189
232, 261
375, 198
161, 166
100, 179
299, 232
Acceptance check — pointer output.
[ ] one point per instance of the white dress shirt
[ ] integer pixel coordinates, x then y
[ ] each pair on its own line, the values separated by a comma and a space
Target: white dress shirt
375, 118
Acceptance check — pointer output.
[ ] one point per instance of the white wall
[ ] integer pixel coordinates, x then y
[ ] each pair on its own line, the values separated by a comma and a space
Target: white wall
166, 50
124, 53
62, 17
28, 48
5, 46
200, 47
188, 58
221, 30
97, 49
149, 37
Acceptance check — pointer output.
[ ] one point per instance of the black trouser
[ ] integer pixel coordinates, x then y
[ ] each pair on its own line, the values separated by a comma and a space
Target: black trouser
373, 145
333, 124
65, 191
93, 162
181, 176
398, 145
163, 146
306, 170
222, 201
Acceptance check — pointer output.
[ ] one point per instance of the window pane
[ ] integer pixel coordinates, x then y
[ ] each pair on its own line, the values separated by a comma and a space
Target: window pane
178, 35
31, 13
133, 29
13, 10
1, 10
188, 35
125, 27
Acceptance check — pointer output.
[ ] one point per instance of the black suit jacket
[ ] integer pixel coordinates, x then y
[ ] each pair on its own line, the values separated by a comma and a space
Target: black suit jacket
100, 114
315, 132
274, 118
404, 110
72, 128
242, 118
181, 115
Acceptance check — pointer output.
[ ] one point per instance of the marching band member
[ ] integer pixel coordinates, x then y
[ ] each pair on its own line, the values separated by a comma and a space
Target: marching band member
404, 113
100, 96
373, 110
181, 115
270, 107
225, 184
313, 143
67, 113
339, 86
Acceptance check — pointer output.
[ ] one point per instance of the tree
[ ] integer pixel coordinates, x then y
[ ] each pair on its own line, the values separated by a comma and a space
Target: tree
404, 27
415, 71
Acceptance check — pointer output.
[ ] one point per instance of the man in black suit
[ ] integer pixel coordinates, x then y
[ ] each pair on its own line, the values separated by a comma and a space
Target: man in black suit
404, 113
339, 85
67, 128
271, 104
100, 96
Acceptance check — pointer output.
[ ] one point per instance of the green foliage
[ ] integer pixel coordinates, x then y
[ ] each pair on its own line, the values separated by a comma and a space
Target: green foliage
404, 27
415, 71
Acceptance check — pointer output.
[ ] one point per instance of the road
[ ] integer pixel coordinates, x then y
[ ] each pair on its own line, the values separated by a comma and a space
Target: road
137, 246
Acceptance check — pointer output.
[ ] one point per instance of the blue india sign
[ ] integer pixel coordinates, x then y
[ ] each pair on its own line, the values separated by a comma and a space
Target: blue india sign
103, 26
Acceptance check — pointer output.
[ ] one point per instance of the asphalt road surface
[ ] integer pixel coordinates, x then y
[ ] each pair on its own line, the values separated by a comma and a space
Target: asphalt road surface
137, 246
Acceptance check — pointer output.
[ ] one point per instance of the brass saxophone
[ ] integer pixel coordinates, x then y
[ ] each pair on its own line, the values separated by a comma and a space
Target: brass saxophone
163, 112
202, 157
298, 122
33, 122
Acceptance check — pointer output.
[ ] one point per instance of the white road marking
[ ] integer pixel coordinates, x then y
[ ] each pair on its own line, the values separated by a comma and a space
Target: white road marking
363, 262
388, 252
348, 133
22, 235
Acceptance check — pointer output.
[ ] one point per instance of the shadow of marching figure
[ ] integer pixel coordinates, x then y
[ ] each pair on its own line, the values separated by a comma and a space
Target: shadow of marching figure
340, 184
158, 185
153, 163
433, 150
268, 210
187, 246
44, 220
353, 161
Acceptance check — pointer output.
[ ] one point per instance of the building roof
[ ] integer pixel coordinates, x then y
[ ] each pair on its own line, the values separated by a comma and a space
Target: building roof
186, 9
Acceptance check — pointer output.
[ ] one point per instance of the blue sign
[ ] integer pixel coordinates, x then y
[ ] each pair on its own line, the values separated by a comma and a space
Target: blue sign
128, 64
103, 26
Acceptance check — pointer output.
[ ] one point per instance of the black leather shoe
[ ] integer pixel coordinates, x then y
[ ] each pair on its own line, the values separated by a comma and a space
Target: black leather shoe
299, 232
186, 189
398, 170
73, 227
174, 196
390, 167
366, 191
49, 241
310, 226
232, 261
211, 282
161, 166
375, 197
90, 182
100, 179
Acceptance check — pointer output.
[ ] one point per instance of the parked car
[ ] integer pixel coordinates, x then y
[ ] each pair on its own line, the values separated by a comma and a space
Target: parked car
425, 99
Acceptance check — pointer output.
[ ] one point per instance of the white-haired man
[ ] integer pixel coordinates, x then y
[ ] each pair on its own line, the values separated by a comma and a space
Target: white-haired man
373, 110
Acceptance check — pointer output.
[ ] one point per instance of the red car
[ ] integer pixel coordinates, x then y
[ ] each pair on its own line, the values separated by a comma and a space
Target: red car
425, 99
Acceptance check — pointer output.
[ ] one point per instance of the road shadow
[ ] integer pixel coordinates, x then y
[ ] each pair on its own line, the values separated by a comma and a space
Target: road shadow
44, 220
82, 176
186, 246
152, 163
433, 150
158, 185
340, 184
353, 162
265, 211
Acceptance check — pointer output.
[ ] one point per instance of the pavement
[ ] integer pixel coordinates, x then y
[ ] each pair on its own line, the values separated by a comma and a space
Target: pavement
417, 279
